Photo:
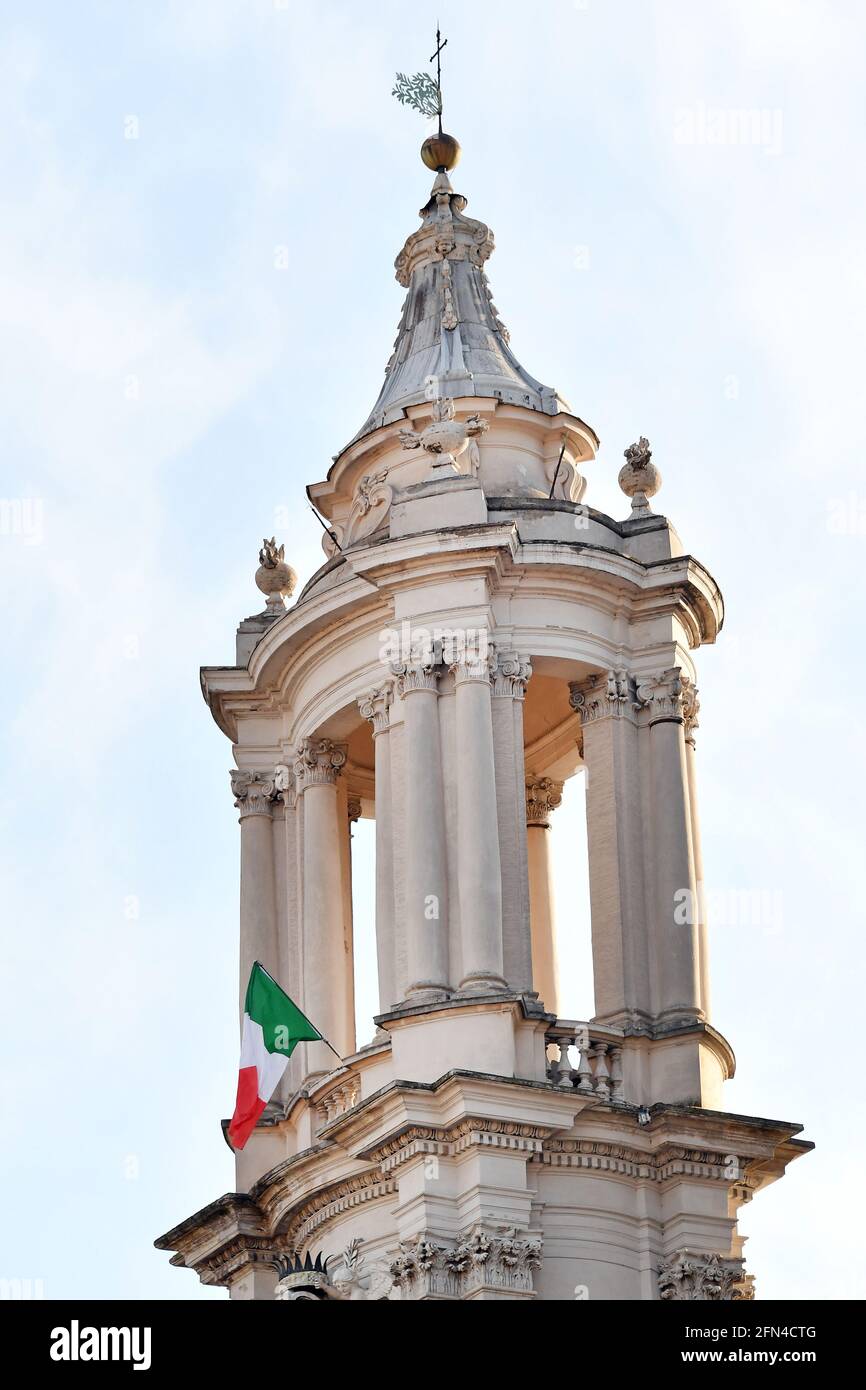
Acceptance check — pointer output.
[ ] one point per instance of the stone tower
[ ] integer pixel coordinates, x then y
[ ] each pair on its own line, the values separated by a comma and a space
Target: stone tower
475, 637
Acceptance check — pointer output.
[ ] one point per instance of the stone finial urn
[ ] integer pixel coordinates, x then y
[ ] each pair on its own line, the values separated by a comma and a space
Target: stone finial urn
276, 579
639, 478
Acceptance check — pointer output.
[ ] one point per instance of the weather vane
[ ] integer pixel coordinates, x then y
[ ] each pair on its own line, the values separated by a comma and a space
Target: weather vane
425, 96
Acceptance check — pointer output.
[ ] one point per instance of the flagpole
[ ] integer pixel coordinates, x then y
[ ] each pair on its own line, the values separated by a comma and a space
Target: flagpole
322, 1037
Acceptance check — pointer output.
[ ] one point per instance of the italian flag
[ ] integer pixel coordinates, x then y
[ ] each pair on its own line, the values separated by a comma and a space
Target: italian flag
272, 1027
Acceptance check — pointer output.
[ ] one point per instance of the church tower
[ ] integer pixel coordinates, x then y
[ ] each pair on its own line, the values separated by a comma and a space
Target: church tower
476, 636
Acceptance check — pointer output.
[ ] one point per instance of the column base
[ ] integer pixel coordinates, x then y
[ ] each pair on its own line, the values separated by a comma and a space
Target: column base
426, 992
482, 983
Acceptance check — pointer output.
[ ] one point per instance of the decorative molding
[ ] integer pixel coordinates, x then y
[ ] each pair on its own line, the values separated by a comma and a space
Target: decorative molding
498, 1260
543, 795
688, 1276
313, 1212
453, 1140
612, 695
354, 809
660, 1165
318, 762
510, 673
374, 706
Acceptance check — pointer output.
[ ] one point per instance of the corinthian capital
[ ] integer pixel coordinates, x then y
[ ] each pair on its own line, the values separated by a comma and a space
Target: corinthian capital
510, 673
611, 695
254, 792
664, 695
374, 706
415, 675
686, 1277
543, 795
318, 762
472, 667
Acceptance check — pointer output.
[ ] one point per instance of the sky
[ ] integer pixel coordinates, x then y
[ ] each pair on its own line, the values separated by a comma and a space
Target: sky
200, 207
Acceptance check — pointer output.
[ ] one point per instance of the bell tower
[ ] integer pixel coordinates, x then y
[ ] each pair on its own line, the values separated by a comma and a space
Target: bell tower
477, 636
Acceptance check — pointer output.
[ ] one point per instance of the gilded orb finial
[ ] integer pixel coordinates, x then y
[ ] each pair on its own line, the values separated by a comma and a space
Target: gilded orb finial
439, 151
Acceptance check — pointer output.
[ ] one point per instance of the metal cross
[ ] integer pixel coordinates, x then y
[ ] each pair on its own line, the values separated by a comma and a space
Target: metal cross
437, 55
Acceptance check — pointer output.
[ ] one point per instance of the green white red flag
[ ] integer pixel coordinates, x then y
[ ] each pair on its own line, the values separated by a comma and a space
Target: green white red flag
273, 1025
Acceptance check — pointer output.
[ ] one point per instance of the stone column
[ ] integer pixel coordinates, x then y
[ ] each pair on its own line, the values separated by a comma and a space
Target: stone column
290, 916
674, 925
691, 709
478, 864
375, 707
327, 967
350, 812
426, 865
543, 795
608, 707
254, 797
511, 673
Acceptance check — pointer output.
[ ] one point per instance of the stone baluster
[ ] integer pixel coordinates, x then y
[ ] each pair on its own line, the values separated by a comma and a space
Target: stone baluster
566, 1072
584, 1070
601, 1073
616, 1073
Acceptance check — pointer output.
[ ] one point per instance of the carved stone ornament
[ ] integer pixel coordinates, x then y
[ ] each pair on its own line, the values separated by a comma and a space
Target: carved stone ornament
543, 795
686, 1276
563, 475
415, 675
691, 708
662, 694
282, 778
604, 696
345, 1280
497, 1260
254, 792
274, 577
639, 478
374, 706
370, 506
318, 762
447, 439
510, 673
